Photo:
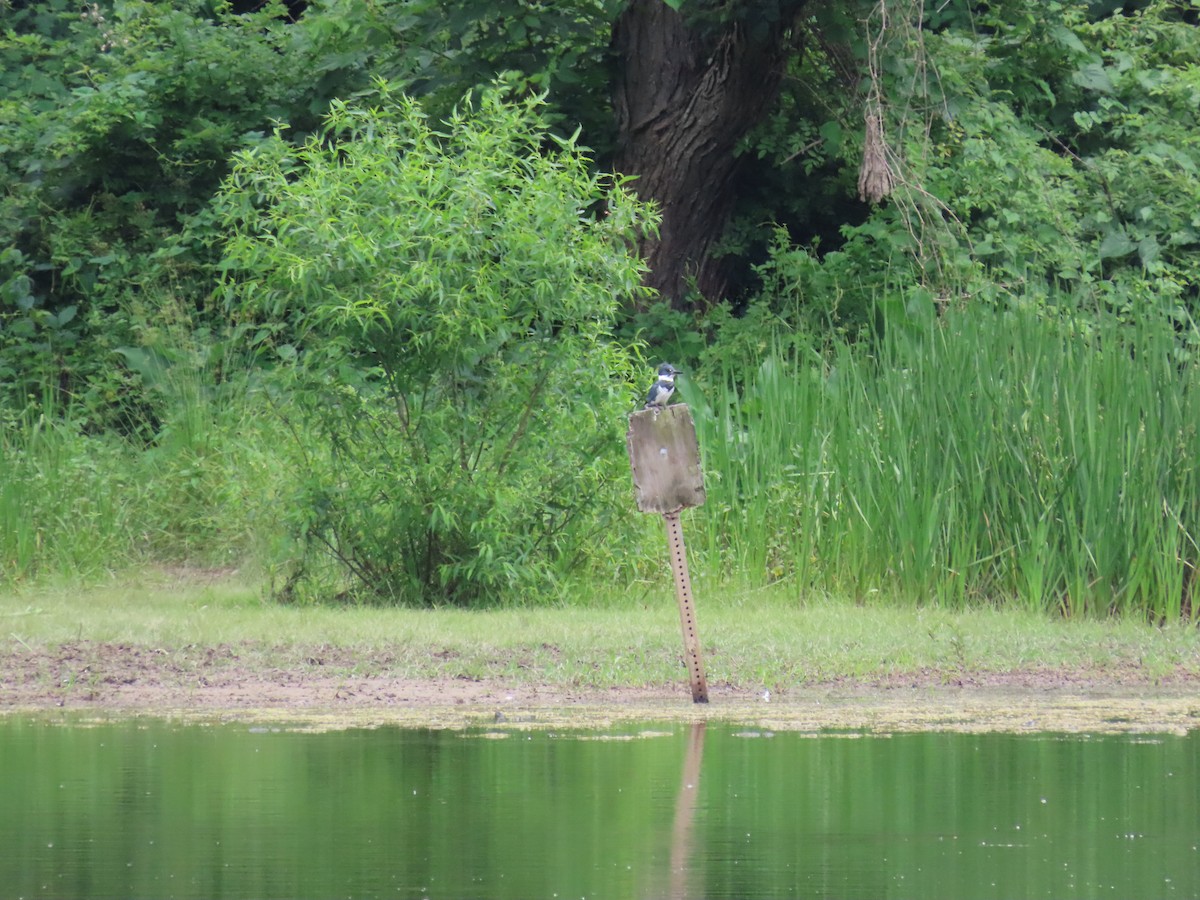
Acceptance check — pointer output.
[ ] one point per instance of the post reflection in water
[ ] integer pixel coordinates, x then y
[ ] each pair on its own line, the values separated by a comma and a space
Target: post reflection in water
682, 858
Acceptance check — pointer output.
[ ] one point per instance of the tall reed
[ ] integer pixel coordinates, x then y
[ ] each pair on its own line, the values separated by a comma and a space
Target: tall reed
992, 457
205, 490
63, 504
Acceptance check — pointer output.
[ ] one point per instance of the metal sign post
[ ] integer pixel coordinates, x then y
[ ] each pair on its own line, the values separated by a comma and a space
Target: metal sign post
665, 458
687, 609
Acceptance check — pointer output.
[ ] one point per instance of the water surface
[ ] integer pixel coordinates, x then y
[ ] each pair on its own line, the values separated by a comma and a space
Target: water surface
149, 809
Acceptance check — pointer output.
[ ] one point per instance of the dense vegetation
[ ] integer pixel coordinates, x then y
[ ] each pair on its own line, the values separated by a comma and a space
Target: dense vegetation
339, 289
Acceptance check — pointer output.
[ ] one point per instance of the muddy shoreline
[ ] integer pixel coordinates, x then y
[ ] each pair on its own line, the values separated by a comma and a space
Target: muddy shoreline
83, 681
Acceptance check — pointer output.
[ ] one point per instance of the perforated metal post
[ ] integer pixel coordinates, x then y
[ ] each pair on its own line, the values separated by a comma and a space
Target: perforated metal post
687, 608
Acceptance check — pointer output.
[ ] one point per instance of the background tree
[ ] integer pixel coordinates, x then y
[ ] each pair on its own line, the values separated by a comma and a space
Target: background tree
665, 93
689, 87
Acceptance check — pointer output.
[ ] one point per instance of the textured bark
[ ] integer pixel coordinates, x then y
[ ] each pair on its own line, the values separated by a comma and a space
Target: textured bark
685, 95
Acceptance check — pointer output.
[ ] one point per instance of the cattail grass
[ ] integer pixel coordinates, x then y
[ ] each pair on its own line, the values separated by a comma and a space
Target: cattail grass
995, 457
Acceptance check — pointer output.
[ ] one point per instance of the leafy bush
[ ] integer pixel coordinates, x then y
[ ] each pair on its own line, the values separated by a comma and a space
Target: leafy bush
442, 298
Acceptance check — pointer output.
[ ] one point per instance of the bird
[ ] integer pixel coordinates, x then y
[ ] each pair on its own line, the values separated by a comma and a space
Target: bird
663, 387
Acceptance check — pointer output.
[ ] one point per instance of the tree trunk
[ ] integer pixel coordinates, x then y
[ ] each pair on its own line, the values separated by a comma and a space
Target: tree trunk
685, 95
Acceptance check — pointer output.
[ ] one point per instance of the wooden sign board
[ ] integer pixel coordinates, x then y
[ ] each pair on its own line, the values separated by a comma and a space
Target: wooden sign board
665, 458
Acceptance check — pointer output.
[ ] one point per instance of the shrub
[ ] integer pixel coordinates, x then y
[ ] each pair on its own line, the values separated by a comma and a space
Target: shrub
441, 298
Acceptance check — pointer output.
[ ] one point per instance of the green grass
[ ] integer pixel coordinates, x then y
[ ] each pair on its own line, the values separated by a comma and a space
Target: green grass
768, 638
77, 503
62, 498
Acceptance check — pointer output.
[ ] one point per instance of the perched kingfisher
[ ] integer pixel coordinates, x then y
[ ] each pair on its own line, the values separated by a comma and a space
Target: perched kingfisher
663, 387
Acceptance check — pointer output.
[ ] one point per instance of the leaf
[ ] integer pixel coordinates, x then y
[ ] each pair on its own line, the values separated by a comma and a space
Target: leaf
1148, 251
831, 133
1093, 77
1065, 37
1116, 243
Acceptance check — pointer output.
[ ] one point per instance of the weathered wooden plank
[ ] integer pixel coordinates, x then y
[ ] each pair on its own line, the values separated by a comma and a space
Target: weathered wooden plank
665, 458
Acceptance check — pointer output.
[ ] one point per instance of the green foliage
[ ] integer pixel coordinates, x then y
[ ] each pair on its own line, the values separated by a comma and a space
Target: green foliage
1141, 151
445, 294
1076, 166
444, 49
118, 124
1041, 151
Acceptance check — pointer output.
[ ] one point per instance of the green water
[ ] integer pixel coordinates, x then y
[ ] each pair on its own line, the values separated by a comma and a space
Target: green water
147, 809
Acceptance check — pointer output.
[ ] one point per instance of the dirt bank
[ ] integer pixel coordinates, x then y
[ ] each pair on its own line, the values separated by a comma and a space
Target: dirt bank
322, 688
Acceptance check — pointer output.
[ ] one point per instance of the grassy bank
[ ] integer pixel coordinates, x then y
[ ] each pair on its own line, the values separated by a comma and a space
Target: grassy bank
753, 639
978, 460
